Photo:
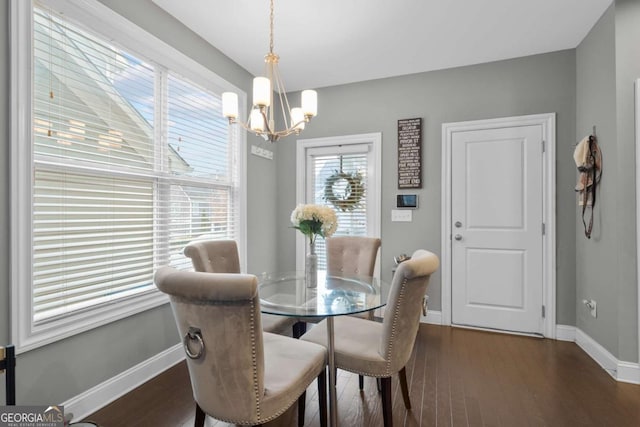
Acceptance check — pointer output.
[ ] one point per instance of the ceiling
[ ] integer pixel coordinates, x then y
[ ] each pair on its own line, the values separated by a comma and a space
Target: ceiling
332, 42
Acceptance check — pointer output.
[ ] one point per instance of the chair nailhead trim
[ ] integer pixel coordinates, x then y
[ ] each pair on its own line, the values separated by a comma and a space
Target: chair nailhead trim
394, 324
253, 359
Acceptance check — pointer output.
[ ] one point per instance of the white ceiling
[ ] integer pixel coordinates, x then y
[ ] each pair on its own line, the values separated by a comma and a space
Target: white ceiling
331, 42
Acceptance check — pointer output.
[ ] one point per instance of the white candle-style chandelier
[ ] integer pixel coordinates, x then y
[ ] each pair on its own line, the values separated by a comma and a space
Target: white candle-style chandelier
261, 121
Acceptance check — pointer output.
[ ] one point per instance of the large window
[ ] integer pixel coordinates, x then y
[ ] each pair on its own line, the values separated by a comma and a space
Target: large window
130, 158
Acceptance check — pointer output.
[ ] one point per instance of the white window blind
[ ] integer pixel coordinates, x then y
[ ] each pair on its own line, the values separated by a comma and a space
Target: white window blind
351, 222
125, 174
203, 167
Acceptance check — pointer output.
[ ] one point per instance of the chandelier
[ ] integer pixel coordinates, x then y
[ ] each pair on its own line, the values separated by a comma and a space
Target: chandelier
261, 121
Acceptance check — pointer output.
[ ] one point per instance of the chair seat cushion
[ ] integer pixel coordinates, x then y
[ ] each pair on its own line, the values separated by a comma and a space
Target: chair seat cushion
277, 324
356, 343
290, 365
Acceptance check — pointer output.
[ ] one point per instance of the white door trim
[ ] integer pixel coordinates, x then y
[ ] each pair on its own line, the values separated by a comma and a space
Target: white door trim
637, 96
373, 199
548, 123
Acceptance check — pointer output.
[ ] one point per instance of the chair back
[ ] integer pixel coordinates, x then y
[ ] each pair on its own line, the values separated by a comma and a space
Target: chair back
404, 305
214, 256
352, 255
228, 377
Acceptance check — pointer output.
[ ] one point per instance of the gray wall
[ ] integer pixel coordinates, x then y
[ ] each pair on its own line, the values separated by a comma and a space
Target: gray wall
531, 85
627, 71
607, 66
596, 259
59, 371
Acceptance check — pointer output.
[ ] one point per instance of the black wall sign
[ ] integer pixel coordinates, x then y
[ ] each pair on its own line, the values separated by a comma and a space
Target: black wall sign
410, 153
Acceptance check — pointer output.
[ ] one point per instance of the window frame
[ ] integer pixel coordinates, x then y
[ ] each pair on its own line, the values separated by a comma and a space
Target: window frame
103, 21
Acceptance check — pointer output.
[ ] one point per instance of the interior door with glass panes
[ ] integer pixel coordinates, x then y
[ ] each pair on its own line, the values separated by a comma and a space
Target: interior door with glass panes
341, 176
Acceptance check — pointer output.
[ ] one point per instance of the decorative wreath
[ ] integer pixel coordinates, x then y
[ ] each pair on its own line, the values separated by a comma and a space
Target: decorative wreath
349, 198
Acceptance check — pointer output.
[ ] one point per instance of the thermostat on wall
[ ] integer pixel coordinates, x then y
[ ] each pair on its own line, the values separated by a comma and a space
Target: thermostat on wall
407, 201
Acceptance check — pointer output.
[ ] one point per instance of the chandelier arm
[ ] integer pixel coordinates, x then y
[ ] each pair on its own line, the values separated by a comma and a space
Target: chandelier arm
266, 122
295, 125
244, 125
271, 70
284, 101
285, 116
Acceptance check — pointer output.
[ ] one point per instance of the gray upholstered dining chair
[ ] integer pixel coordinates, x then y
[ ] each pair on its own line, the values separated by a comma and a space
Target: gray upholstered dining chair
382, 349
221, 256
352, 255
239, 374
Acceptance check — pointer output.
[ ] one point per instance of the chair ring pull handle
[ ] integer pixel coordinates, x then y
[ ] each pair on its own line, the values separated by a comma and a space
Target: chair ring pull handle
193, 334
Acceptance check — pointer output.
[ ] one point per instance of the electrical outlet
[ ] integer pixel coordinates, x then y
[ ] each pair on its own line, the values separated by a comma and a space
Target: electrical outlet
592, 306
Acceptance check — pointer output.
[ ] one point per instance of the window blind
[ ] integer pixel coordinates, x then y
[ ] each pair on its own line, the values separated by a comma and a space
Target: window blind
93, 240
351, 222
112, 201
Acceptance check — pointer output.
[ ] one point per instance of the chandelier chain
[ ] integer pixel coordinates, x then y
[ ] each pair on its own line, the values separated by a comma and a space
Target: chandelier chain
271, 28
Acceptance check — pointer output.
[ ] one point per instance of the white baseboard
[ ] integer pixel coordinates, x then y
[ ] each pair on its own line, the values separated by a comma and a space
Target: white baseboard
104, 393
433, 317
566, 333
597, 352
628, 372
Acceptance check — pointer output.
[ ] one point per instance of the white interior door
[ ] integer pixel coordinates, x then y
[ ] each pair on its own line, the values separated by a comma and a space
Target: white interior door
497, 228
319, 160
326, 162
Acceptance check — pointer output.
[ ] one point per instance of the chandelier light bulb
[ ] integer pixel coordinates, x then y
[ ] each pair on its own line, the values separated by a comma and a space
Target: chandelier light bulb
261, 92
257, 121
230, 105
309, 101
297, 119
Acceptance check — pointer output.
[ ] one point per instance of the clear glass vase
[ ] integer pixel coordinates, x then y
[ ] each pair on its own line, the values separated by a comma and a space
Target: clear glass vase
311, 267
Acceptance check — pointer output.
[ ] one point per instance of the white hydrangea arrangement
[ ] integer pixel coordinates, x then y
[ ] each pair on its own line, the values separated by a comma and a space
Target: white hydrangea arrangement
314, 220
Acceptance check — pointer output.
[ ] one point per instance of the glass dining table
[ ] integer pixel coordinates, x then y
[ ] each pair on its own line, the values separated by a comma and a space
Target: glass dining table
286, 294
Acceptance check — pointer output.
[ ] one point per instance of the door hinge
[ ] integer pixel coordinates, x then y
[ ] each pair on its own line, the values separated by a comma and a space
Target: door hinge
543, 312
544, 229
544, 148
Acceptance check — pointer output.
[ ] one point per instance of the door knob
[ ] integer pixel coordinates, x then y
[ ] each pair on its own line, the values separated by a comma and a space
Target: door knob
458, 224
458, 237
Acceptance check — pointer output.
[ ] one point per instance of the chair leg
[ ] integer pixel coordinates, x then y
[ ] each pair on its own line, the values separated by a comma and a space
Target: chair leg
299, 328
386, 402
322, 397
402, 375
302, 402
361, 382
200, 416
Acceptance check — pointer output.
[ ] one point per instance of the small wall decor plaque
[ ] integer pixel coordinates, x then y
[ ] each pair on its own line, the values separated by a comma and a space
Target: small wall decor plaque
410, 153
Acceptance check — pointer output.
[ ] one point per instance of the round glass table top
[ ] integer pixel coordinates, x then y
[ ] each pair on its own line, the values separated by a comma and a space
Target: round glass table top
286, 294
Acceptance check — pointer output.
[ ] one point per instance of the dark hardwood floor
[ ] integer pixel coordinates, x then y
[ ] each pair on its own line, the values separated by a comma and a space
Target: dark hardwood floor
456, 377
